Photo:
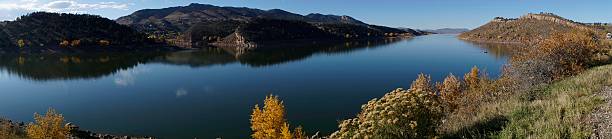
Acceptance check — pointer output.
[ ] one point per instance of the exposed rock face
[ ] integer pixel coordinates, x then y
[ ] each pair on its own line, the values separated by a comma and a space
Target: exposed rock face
556, 19
527, 29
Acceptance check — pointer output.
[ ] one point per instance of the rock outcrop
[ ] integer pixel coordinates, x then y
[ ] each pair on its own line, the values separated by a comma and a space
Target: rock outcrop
527, 29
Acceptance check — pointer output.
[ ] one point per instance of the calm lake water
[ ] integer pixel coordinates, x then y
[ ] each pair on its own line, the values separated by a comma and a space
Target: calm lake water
210, 93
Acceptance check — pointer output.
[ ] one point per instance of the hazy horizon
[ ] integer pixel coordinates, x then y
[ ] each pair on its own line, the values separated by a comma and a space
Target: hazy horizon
411, 14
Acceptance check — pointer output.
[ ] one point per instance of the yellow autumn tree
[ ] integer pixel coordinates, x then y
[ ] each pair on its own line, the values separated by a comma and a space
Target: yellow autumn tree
286, 132
268, 122
422, 83
21, 43
49, 126
472, 79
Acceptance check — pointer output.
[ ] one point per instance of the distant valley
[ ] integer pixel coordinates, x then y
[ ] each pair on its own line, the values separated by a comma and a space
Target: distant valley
447, 30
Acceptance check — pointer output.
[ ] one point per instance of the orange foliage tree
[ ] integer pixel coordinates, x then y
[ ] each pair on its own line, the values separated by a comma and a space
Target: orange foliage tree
7, 130
450, 90
64, 43
422, 83
298, 133
75, 43
472, 78
561, 55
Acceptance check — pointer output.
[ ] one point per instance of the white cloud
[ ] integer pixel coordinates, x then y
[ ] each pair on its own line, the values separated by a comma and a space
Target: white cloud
19, 5
60, 6
181, 92
127, 77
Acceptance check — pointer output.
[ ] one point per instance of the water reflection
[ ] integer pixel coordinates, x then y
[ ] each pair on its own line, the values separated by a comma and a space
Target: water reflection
85, 66
209, 93
70, 67
498, 50
127, 77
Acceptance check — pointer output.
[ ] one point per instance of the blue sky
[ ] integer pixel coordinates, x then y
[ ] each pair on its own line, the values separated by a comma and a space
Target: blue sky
421, 14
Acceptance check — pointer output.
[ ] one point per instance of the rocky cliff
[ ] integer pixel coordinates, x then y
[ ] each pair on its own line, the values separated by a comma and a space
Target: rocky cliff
528, 28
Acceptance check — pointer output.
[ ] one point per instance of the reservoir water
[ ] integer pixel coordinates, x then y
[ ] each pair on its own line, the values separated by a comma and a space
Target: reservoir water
210, 93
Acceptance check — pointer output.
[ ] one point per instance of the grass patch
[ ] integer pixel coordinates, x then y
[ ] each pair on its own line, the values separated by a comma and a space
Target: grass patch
558, 110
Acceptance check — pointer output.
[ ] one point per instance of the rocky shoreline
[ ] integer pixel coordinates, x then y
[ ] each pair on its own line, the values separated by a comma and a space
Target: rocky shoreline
14, 129
600, 118
490, 41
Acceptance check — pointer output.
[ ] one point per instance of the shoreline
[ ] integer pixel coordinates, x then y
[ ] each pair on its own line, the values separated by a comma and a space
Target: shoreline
489, 41
281, 44
19, 129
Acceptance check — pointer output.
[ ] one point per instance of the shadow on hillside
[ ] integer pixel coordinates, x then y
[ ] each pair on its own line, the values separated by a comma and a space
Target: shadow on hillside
482, 129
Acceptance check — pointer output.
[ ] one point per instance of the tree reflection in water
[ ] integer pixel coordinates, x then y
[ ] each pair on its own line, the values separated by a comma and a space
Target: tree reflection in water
44, 67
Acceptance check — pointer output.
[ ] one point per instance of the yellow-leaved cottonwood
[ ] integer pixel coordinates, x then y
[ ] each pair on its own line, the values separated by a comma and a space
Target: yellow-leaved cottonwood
48, 126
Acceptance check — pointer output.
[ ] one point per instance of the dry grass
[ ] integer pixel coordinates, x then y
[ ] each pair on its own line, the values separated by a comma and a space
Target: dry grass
520, 31
557, 110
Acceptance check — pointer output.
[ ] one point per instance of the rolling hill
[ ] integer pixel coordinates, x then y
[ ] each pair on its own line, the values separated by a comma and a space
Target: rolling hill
54, 32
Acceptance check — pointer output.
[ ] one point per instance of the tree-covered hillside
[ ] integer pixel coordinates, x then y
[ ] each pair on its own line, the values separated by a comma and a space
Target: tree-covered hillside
198, 25
42, 31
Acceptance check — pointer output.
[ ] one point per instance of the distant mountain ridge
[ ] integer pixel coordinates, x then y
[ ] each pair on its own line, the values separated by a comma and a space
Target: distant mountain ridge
447, 30
181, 17
528, 28
195, 25
202, 24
